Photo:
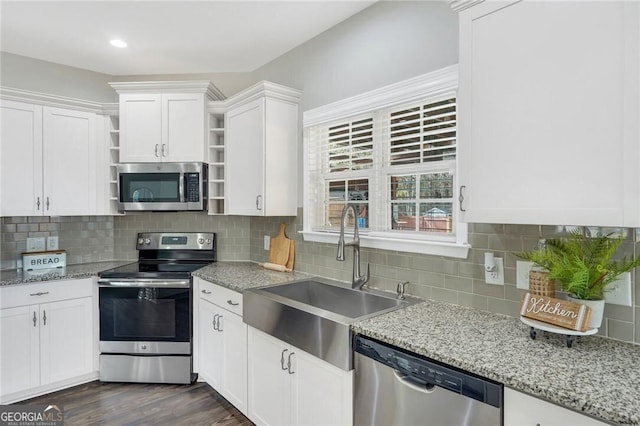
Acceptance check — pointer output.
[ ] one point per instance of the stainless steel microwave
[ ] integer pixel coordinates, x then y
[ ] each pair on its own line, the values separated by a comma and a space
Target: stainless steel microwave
162, 186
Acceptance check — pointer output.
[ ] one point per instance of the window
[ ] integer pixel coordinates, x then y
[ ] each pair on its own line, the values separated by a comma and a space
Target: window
392, 153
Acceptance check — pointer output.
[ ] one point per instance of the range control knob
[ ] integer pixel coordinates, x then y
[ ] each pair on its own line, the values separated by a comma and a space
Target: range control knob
140, 241
208, 240
200, 240
147, 241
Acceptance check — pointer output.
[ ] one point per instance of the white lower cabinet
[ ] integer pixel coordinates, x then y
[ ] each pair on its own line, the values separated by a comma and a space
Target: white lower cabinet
222, 343
46, 344
524, 410
288, 386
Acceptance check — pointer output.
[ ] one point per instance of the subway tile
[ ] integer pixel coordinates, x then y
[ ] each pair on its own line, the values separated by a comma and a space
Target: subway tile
444, 295
486, 228
505, 242
470, 270
9, 228
511, 292
422, 291
479, 241
431, 279
15, 219
38, 219
637, 325
620, 330
27, 227
530, 230
484, 289
458, 283
408, 275
618, 312
451, 267
504, 307
473, 301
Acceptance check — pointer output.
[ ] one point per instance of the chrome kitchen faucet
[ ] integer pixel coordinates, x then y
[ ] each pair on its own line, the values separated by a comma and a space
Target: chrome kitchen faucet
358, 280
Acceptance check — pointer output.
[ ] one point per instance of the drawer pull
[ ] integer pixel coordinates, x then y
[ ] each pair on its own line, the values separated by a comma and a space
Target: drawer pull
40, 293
206, 291
282, 360
232, 303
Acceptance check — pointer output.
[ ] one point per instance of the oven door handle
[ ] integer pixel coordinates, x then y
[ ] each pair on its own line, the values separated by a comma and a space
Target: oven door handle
145, 283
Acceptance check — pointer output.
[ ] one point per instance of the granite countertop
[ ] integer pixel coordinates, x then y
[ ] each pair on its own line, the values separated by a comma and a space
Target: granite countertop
83, 270
599, 377
240, 276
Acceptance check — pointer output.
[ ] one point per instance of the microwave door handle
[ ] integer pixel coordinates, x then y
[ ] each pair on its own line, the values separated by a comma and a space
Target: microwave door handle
181, 186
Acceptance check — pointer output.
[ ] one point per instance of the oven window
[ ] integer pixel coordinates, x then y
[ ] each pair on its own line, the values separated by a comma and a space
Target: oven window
150, 187
145, 314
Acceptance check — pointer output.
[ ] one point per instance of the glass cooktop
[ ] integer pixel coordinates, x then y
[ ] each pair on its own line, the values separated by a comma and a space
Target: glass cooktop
154, 269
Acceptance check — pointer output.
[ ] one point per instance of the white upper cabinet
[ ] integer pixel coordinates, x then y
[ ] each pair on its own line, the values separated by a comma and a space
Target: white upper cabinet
548, 113
261, 164
164, 121
20, 159
48, 161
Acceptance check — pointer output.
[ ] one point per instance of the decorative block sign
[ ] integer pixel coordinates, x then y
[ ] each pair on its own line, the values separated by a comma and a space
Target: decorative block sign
558, 312
44, 260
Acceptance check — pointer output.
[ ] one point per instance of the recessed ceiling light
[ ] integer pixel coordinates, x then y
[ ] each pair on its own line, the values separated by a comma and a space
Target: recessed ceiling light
118, 43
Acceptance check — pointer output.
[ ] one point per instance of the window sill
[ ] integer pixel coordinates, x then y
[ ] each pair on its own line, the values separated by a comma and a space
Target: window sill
435, 248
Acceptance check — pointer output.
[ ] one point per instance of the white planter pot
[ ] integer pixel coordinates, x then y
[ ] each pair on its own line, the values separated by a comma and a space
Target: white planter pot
597, 310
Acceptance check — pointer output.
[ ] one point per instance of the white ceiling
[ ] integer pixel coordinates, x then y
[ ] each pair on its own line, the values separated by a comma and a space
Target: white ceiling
166, 37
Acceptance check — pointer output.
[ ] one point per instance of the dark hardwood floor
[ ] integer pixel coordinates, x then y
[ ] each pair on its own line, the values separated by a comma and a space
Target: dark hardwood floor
119, 404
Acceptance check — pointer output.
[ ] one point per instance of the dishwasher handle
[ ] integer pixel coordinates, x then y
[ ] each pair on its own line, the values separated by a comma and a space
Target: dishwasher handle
406, 380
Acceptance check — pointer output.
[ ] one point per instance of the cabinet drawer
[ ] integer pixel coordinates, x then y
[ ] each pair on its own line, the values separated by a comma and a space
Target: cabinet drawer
221, 296
44, 292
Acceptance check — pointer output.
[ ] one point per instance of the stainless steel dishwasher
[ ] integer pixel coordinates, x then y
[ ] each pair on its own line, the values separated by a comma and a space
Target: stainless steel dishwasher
394, 387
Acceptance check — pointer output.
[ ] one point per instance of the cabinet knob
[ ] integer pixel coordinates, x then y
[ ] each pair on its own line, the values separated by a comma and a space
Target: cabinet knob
156, 150
38, 203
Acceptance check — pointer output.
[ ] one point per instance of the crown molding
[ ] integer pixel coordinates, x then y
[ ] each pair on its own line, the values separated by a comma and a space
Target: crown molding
20, 95
207, 87
460, 5
430, 84
258, 90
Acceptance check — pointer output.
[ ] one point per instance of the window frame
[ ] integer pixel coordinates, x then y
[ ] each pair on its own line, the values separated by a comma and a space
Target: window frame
430, 85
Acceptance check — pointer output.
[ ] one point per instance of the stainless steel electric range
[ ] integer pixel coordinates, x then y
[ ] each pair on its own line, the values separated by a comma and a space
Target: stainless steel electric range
146, 309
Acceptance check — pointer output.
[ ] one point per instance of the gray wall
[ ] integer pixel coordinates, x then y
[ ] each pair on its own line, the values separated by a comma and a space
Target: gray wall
385, 43
25, 73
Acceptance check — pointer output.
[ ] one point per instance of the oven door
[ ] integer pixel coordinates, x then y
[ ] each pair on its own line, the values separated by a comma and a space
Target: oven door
145, 317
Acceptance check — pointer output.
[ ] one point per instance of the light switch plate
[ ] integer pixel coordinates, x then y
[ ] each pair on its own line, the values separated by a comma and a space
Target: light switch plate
36, 244
619, 291
52, 243
522, 274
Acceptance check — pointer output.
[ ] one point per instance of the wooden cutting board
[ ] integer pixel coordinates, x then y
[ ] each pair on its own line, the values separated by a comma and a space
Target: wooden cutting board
280, 247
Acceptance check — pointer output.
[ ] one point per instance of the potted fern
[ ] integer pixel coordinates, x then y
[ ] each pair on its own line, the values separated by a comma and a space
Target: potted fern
582, 267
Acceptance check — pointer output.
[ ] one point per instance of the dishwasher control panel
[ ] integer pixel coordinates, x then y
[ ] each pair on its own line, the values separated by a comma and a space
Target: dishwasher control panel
426, 372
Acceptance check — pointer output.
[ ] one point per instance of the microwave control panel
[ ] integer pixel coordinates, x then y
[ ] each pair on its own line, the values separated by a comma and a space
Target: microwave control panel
192, 190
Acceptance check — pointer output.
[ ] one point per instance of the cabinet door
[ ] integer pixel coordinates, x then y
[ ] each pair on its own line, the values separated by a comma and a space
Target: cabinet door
69, 146
322, 393
20, 159
245, 159
183, 127
269, 384
19, 356
66, 339
521, 410
548, 117
140, 128
234, 372
210, 364
281, 158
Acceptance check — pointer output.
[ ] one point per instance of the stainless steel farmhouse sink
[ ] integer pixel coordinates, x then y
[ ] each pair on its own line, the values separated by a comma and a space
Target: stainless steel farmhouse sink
314, 315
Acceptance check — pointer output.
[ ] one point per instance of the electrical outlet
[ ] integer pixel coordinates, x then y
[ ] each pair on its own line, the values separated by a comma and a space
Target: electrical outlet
267, 242
52, 243
522, 274
496, 277
36, 244
619, 291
